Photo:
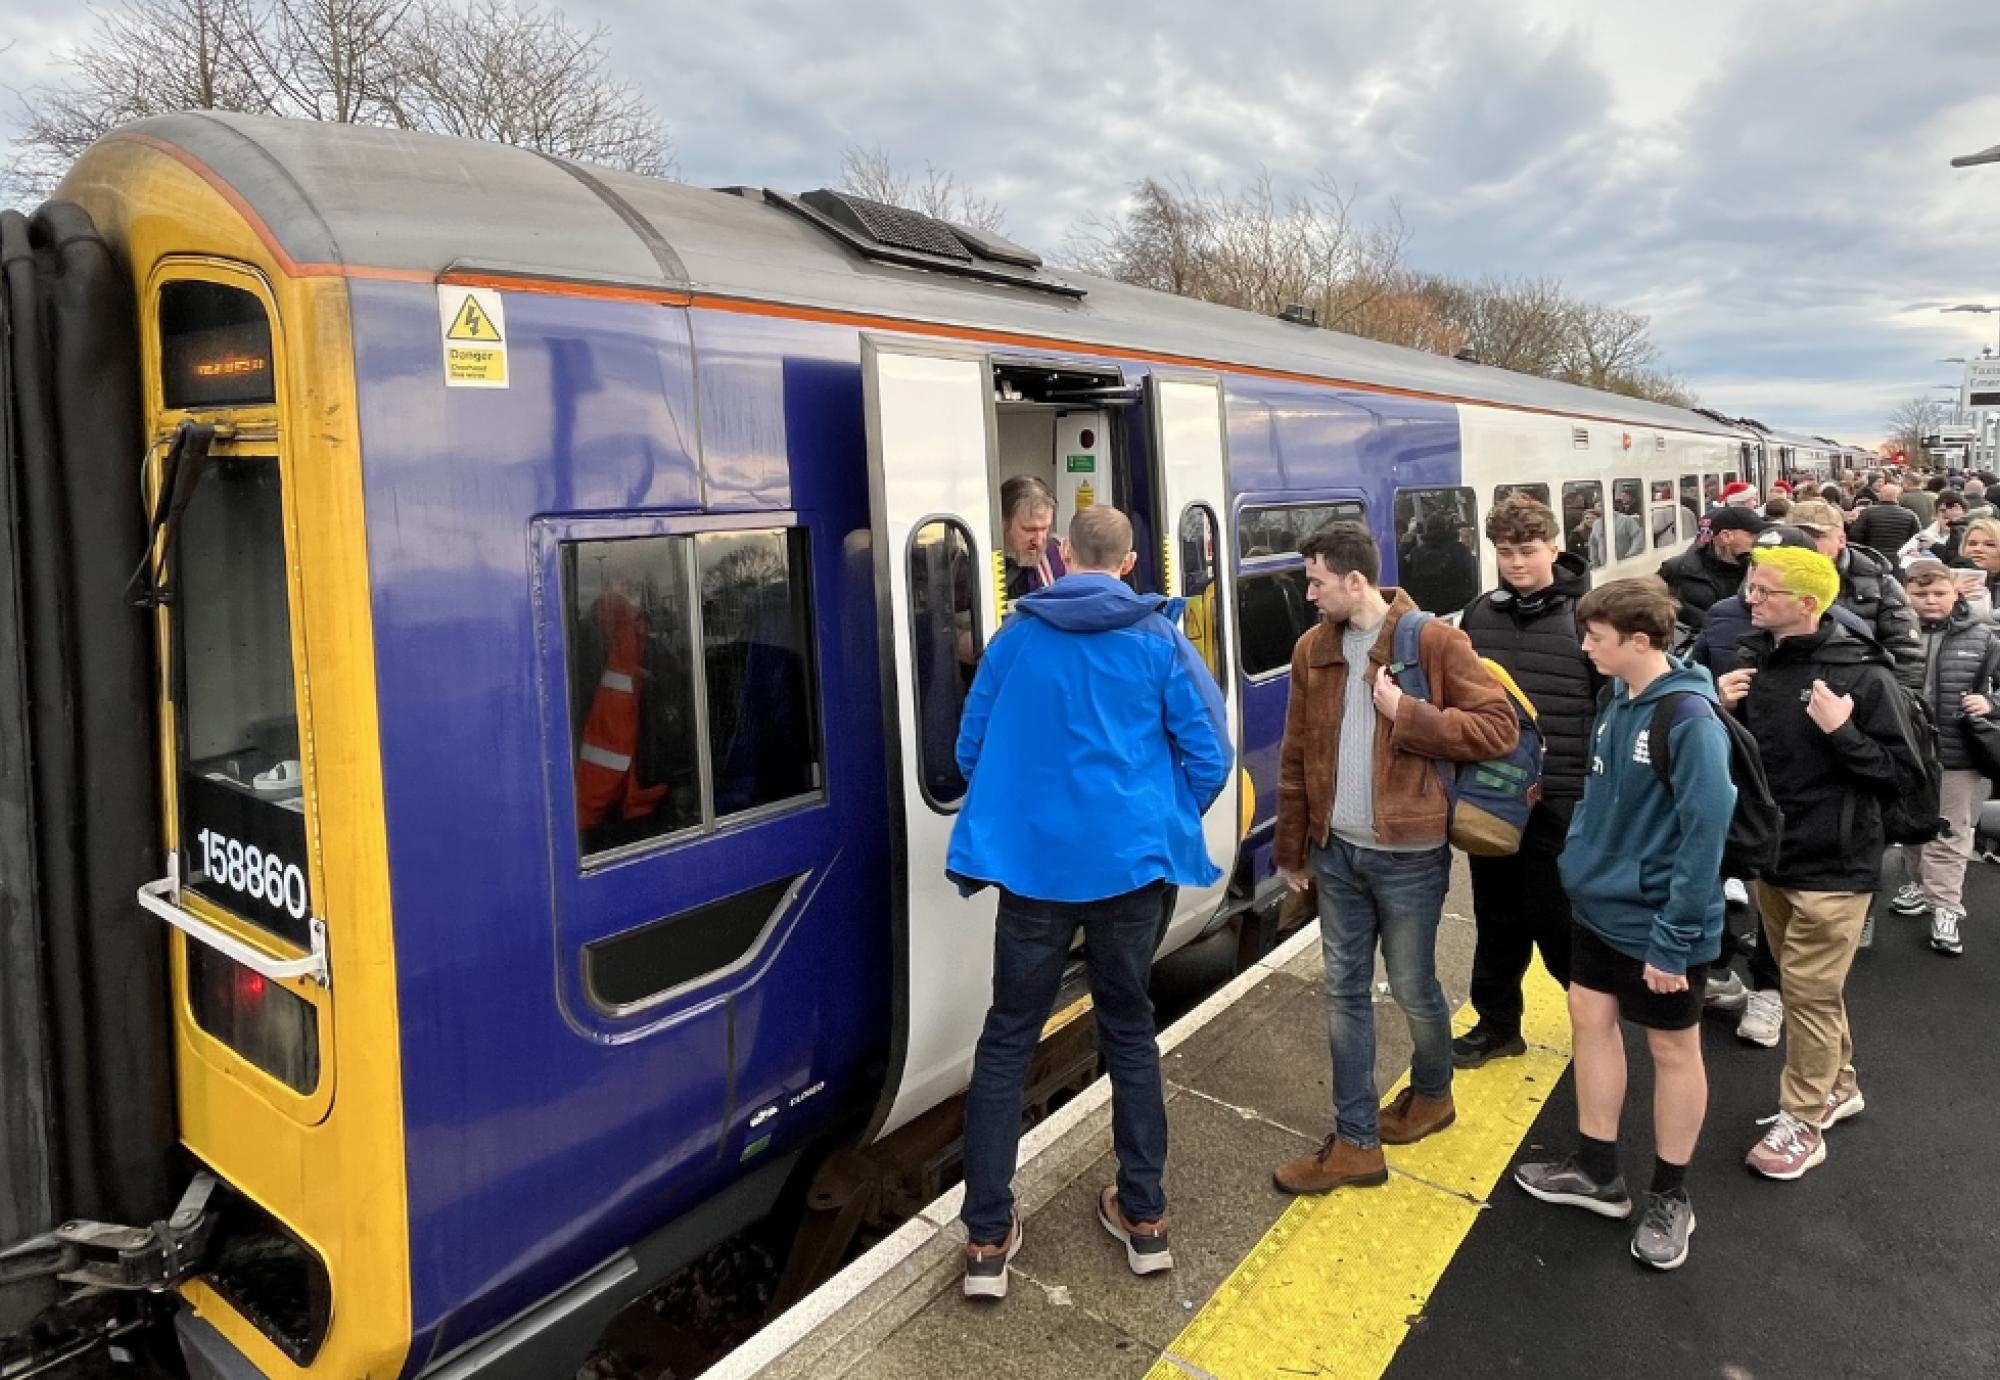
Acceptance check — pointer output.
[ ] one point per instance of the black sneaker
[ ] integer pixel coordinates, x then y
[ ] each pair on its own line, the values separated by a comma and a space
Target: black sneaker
1563, 1181
1484, 1042
986, 1265
1662, 1238
1145, 1242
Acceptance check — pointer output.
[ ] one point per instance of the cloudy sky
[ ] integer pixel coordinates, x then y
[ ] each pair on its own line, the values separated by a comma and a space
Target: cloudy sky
1770, 181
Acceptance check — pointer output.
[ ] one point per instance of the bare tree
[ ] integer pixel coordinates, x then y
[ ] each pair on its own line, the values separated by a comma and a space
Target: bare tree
1913, 419
871, 173
520, 76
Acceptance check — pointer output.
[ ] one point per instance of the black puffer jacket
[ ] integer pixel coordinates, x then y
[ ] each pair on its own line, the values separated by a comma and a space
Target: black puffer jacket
1883, 529
1536, 639
1961, 657
1699, 578
1869, 587
1830, 786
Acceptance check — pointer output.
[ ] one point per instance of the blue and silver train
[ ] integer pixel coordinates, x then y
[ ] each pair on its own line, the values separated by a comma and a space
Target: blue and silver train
478, 767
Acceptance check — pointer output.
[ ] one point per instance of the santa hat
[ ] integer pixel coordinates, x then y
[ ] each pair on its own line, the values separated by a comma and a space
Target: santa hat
1739, 492
1781, 484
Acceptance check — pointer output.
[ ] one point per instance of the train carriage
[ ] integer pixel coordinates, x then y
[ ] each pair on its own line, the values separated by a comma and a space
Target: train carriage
561, 590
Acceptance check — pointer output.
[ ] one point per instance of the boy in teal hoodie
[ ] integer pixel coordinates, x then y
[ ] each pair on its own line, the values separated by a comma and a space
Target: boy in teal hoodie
1643, 869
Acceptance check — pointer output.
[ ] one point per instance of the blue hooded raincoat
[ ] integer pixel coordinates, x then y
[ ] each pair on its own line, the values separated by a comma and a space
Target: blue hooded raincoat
1092, 741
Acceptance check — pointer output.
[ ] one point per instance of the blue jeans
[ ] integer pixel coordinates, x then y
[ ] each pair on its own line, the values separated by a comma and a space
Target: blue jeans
1031, 943
1366, 894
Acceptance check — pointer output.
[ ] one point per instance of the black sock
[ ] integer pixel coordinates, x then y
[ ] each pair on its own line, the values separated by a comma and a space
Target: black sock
1597, 1158
1669, 1178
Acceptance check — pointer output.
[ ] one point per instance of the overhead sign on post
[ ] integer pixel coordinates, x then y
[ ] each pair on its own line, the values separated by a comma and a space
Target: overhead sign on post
473, 323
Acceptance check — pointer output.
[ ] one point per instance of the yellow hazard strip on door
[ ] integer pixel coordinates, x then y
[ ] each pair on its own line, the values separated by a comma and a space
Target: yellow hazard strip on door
1336, 1284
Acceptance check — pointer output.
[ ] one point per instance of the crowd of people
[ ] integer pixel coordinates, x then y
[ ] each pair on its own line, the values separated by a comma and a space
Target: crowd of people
1727, 751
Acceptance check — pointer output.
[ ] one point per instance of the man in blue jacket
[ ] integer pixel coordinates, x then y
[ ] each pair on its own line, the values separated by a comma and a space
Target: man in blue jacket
1092, 742
1643, 868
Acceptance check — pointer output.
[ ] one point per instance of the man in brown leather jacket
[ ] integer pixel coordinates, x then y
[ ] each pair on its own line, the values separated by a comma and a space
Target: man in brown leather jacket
1359, 787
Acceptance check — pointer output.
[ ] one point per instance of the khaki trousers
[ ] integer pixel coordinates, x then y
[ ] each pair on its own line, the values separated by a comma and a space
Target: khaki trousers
1938, 868
1813, 935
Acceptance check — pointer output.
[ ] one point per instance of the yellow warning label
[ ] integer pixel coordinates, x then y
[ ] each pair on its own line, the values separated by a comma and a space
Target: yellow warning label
473, 324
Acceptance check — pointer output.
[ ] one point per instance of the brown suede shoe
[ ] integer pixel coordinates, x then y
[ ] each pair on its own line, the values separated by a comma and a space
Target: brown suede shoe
1410, 1117
1336, 1164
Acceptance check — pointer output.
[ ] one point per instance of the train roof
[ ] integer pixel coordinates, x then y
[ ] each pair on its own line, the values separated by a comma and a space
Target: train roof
423, 204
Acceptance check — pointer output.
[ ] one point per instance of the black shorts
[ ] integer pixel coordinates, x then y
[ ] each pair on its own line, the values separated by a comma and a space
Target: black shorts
1596, 965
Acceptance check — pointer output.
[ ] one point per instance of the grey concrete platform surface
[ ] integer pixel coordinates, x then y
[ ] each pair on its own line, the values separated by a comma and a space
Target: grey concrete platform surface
1246, 1076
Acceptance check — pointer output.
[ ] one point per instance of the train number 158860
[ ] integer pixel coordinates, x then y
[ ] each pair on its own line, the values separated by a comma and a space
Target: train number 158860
252, 872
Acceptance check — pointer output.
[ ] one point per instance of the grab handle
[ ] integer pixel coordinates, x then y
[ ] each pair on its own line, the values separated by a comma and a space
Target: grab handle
162, 898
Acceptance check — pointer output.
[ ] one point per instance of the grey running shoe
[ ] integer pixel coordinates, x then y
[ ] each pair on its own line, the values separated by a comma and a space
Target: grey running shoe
1563, 1181
986, 1265
1763, 1019
1662, 1238
1910, 900
1944, 931
1868, 931
1725, 992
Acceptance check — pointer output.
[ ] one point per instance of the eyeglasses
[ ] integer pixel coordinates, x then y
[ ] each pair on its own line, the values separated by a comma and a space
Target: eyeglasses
1757, 594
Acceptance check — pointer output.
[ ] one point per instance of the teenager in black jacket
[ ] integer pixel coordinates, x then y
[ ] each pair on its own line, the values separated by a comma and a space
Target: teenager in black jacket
1528, 625
1825, 709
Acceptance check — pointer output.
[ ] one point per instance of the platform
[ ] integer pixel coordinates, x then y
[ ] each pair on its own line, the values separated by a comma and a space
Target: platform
1869, 1266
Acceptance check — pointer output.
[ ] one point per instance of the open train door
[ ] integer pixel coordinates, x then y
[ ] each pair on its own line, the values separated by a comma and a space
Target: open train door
932, 437
1193, 519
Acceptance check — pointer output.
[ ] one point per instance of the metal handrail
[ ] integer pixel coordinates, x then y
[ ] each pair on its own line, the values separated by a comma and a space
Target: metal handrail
162, 898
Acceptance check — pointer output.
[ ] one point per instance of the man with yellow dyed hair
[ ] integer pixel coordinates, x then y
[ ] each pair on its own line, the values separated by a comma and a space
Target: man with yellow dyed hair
1824, 706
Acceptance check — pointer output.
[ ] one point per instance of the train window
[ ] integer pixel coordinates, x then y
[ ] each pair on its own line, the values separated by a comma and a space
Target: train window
1277, 531
1437, 547
1711, 490
944, 651
634, 728
1691, 493
1628, 506
1538, 492
1667, 521
215, 347
1272, 614
242, 810
1728, 478
1583, 519
756, 628
1196, 553
1663, 491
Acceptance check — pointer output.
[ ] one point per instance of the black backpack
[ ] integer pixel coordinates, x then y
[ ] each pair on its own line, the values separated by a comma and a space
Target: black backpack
1751, 847
1915, 813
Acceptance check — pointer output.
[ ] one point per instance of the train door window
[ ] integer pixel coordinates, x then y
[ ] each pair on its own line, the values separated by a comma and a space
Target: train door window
242, 808
1728, 478
1202, 620
635, 730
1628, 531
1691, 493
756, 626
1278, 530
1711, 490
944, 651
1583, 520
1437, 547
1538, 492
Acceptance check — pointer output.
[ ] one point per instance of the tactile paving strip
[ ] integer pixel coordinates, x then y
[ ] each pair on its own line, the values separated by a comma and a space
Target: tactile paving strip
1335, 1285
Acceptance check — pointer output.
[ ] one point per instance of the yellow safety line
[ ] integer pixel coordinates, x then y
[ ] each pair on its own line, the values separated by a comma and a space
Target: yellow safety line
1336, 1283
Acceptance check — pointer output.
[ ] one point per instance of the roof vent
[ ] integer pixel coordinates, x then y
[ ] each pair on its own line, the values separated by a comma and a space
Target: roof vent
1299, 314
909, 239
1579, 437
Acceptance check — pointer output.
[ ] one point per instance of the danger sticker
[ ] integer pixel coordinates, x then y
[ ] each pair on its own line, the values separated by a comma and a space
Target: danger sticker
473, 322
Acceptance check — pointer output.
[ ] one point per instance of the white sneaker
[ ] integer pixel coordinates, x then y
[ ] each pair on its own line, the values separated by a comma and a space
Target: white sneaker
1944, 931
1763, 1019
1725, 992
1910, 900
1734, 890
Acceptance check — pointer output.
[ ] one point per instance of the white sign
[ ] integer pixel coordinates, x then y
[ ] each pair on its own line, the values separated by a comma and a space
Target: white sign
473, 325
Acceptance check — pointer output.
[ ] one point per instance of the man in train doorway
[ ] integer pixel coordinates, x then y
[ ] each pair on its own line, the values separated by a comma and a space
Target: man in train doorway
1093, 741
1027, 522
1361, 814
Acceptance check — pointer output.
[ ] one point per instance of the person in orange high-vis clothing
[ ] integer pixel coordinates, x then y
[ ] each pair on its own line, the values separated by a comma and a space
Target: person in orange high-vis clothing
606, 768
